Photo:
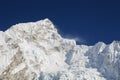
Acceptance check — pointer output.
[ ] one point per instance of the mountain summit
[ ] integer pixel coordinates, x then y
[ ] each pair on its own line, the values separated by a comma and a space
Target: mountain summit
35, 51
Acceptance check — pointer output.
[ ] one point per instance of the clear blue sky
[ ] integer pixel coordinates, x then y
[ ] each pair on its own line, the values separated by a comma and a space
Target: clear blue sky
91, 20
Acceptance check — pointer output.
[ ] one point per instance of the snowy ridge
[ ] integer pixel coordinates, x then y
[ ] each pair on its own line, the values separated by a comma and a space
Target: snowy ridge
35, 51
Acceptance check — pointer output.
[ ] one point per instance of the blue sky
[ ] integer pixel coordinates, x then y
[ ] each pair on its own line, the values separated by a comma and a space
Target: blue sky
88, 21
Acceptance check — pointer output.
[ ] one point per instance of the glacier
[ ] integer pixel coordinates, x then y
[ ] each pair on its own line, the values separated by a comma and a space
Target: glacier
36, 51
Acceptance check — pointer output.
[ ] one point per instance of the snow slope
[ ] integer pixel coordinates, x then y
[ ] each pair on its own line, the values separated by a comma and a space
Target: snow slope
35, 51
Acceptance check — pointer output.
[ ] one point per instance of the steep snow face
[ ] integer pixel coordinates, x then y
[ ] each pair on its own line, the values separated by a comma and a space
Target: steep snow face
35, 51
106, 58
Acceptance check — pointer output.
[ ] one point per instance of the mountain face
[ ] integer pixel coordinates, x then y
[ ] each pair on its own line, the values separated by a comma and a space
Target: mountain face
35, 51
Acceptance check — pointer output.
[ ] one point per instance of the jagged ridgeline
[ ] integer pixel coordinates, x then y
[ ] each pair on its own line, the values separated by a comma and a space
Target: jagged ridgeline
36, 51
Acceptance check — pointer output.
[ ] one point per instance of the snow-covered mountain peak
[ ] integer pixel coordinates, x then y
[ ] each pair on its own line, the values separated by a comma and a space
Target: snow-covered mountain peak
36, 51
45, 24
115, 44
33, 30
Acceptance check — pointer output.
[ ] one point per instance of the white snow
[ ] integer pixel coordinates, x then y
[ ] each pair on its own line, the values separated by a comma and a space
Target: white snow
37, 50
18, 68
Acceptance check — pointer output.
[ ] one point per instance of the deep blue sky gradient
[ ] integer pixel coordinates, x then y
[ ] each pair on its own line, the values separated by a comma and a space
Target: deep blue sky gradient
91, 20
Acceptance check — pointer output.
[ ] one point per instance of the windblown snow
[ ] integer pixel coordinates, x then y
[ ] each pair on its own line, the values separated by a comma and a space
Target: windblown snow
35, 51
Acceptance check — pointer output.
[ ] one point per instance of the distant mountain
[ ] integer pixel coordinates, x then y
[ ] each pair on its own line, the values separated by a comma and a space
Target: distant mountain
35, 51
